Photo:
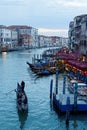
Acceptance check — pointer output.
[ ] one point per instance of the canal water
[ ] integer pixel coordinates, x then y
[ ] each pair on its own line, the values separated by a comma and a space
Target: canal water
41, 115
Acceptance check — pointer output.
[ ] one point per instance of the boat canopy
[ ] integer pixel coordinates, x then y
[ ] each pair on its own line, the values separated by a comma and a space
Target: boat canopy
78, 64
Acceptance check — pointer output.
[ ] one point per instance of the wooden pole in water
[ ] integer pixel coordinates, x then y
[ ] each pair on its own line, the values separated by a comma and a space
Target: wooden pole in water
34, 58
67, 110
75, 96
40, 56
64, 83
37, 56
51, 88
56, 81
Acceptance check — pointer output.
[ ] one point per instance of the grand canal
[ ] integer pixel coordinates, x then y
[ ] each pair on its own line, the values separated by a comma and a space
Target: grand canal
41, 115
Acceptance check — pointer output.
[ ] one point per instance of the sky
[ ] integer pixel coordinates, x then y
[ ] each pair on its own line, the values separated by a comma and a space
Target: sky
50, 17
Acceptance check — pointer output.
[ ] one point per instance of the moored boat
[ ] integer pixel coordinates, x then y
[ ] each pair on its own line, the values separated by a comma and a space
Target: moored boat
48, 69
43, 72
81, 90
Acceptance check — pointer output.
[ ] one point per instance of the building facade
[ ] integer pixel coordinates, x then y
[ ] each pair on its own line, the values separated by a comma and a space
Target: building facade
27, 36
51, 41
5, 37
14, 39
78, 34
18, 36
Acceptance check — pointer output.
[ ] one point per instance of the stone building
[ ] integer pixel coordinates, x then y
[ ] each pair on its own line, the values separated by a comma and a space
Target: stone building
8, 38
78, 34
27, 36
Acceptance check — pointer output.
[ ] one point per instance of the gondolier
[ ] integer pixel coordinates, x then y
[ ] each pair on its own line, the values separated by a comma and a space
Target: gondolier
22, 85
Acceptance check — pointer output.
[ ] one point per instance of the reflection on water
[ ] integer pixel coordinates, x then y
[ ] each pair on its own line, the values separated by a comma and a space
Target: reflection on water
22, 118
41, 116
4, 53
74, 121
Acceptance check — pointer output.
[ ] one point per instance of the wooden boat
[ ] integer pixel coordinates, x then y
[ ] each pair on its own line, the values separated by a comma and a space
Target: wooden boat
71, 85
82, 87
43, 72
35, 68
41, 69
21, 99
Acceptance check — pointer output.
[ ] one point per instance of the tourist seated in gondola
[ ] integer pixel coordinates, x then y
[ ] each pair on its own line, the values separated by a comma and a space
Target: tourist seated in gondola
19, 100
24, 98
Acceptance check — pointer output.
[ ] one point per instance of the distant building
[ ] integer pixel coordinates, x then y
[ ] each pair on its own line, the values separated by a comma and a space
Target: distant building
8, 38
46, 41
64, 42
14, 39
40, 41
5, 37
56, 41
34, 37
27, 36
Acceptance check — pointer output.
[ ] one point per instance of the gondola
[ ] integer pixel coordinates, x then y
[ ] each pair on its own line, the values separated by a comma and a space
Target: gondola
21, 99
43, 70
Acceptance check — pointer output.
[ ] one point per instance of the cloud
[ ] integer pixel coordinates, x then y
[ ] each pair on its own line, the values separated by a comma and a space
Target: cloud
53, 14
53, 32
76, 3
45, 3
67, 3
11, 2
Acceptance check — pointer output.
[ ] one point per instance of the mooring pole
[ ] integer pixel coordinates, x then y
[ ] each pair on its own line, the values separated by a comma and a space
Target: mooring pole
34, 58
67, 111
37, 56
56, 81
64, 83
40, 56
75, 96
51, 88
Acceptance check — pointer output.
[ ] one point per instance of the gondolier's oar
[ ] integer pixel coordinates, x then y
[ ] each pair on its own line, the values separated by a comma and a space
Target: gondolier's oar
10, 91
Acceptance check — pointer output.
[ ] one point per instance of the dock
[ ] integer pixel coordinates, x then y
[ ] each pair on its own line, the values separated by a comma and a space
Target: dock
60, 102
65, 102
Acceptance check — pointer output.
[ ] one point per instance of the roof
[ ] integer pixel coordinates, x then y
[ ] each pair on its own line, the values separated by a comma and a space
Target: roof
19, 27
